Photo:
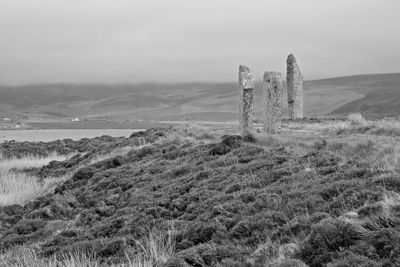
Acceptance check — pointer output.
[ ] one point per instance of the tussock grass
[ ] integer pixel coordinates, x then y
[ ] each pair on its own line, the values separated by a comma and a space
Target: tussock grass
272, 254
357, 124
28, 161
18, 187
356, 119
371, 153
389, 201
24, 257
155, 250
388, 204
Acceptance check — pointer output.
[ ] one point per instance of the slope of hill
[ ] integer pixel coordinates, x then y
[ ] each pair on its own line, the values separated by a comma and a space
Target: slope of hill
375, 95
311, 195
381, 94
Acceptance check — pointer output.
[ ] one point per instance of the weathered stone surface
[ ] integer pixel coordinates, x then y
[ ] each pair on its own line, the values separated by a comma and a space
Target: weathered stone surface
246, 111
272, 101
294, 80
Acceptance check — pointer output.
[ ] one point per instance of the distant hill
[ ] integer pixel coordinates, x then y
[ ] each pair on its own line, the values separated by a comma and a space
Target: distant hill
381, 94
375, 95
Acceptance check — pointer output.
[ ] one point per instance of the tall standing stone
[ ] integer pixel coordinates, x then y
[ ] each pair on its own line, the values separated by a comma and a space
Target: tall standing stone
273, 93
246, 111
294, 88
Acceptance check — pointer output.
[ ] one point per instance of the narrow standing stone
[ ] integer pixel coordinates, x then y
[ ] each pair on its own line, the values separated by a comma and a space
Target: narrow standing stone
272, 101
246, 112
294, 88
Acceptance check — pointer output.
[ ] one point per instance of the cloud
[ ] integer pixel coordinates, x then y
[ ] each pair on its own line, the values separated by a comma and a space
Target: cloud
191, 40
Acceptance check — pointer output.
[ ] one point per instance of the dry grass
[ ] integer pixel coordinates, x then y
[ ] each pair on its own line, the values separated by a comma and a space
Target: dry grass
356, 124
356, 119
372, 144
121, 151
28, 161
24, 257
272, 254
378, 154
156, 250
187, 134
390, 201
18, 187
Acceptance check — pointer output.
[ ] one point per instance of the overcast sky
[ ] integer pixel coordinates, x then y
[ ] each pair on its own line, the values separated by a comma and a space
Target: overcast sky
117, 41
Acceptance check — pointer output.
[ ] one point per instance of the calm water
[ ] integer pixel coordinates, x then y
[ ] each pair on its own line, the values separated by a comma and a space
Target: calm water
51, 135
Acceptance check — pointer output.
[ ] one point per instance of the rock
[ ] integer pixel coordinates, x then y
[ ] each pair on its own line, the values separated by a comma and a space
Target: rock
294, 81
246, 111
272, 101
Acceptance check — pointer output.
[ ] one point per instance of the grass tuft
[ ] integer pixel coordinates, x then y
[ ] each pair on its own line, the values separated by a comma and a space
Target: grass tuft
356, 119
155, 250
17, 187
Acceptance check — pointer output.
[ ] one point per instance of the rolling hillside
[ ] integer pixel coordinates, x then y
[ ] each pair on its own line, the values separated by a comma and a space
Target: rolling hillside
321, 193
373, 95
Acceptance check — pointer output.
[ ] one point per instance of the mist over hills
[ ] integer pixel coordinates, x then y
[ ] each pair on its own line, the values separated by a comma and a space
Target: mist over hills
375, 95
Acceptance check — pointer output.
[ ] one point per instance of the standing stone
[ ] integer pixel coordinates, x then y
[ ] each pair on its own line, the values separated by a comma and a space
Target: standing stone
294, 88
246, 111
272, 101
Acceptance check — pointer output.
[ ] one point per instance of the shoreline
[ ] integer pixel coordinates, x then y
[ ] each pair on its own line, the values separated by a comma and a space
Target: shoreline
48, 135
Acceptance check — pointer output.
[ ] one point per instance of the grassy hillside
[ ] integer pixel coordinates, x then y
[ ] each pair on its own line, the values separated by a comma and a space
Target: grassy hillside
322, 193
382, 95
374, 95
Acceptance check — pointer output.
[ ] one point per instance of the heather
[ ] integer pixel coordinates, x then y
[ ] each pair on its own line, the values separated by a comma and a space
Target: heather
206, 197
